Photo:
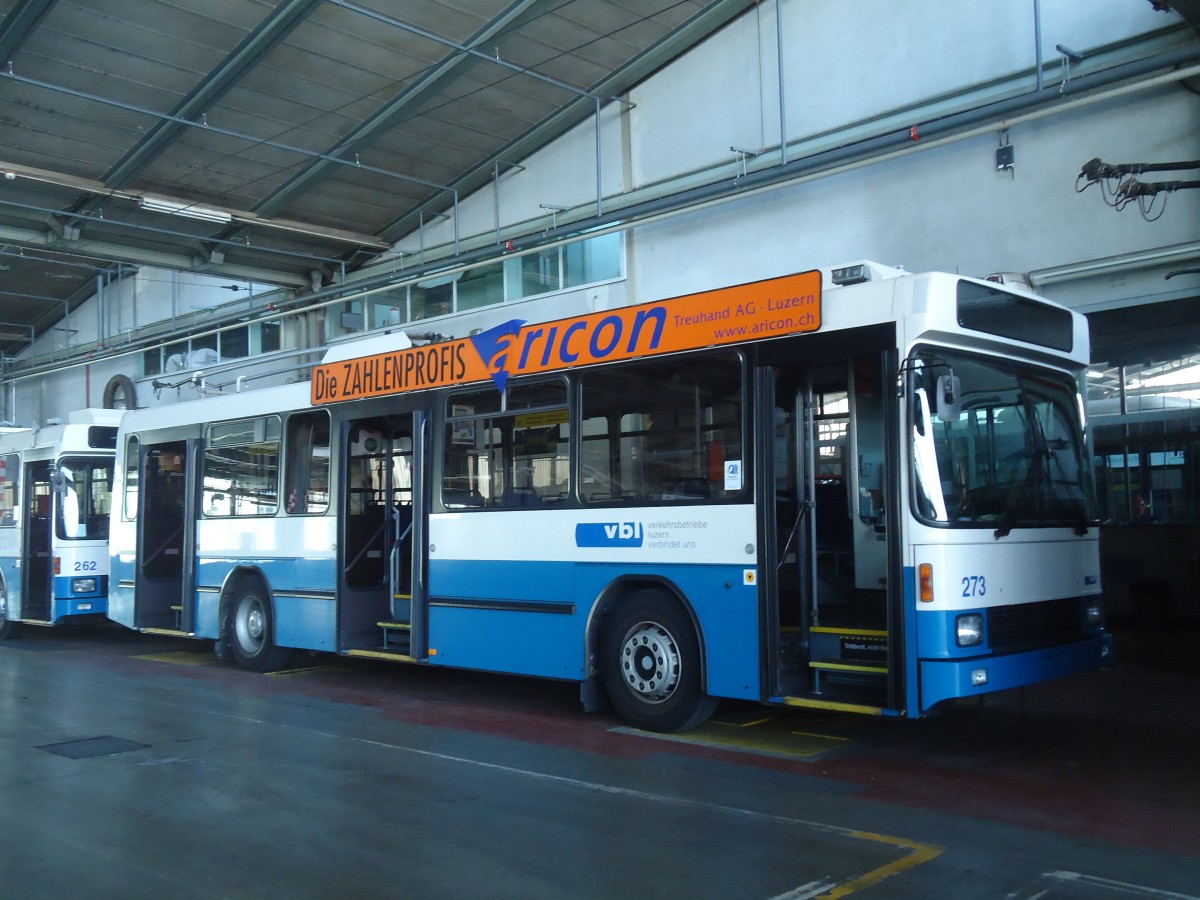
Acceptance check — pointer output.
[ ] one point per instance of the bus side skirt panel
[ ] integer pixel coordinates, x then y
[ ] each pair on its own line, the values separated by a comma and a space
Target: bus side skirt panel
469, 631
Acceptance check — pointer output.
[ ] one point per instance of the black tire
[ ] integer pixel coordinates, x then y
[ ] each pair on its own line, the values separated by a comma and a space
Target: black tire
8, 628
651, 665
252, 631
120, 393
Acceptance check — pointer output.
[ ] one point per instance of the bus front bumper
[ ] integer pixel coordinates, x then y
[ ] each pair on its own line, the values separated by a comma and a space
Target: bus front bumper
948, 679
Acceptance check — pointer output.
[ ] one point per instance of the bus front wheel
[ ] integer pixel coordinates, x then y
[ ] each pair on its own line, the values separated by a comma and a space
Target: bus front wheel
252, 632
651, 658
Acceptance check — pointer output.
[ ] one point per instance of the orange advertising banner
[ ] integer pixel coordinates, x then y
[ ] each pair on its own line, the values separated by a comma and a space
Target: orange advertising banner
772, 308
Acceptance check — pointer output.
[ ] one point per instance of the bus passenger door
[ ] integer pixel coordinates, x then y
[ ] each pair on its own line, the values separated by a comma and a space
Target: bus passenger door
834, 638
381, 608
37, 580
164, 592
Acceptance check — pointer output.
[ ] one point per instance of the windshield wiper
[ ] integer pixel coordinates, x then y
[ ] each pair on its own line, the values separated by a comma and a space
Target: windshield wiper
1042, 459
1039, 467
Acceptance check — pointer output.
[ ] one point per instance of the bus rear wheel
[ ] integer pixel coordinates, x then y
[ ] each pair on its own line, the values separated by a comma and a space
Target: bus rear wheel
651, 659
252, 631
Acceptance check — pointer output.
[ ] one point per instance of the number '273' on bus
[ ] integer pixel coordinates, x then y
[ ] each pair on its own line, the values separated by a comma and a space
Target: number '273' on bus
859, 490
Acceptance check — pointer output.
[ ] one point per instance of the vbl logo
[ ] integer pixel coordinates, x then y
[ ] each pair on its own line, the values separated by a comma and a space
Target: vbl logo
608, 534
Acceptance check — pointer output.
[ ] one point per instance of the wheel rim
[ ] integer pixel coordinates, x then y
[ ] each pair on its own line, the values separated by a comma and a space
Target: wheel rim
250, 625
650, 662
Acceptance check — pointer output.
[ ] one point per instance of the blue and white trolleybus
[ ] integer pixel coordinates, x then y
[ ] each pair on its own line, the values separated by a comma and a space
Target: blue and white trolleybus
55, 493
857, 489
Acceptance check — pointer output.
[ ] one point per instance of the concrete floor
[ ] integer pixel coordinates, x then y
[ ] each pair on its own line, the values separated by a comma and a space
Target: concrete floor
135, 766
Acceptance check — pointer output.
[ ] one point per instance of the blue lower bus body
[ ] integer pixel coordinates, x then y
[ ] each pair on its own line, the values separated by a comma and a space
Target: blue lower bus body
65, 601
1053, 644
533, 619
536, 617
944, 679
69, 602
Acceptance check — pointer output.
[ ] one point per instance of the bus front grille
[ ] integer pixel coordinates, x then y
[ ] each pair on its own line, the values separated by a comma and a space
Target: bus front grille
1029, 625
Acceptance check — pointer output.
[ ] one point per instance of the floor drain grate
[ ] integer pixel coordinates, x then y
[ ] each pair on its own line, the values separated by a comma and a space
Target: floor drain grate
86, 748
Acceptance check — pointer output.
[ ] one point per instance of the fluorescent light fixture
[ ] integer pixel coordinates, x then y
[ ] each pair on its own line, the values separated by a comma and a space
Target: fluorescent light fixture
187, 210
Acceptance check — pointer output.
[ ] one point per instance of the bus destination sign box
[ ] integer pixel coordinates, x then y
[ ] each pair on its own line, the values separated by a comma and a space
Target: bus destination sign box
775, 307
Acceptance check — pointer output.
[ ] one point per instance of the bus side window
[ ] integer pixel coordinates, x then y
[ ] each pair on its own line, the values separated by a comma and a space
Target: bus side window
129, 496
10, 470
306, 458
515, 458
663, 431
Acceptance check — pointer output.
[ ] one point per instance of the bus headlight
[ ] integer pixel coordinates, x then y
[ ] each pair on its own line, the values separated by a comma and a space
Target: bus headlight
968, 630
1094, 611
83, 585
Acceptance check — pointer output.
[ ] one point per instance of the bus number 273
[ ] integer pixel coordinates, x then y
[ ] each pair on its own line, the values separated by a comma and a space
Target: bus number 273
974, 586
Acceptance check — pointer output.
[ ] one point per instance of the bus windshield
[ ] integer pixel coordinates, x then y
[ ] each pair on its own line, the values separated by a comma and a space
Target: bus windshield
84, 485
997, 443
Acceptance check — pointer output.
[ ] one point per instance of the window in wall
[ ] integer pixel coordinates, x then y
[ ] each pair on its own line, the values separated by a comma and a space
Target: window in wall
534, 273
10, 479
307, 462
241, 468
596, 259
205, 350
387, 308
553, 269
235, 343
512, 457
352, 318
663, 431
129, 505
175, 357
480, 286
270, 336
434, 297
203, 342
152, 361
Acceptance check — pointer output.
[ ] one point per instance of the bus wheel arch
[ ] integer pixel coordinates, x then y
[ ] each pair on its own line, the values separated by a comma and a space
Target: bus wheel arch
248, 623
651, 657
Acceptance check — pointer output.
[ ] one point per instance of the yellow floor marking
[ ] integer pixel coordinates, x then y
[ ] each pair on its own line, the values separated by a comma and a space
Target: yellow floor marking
304, 670
824, 737
775, 735
181, 658
750, 724
920, 853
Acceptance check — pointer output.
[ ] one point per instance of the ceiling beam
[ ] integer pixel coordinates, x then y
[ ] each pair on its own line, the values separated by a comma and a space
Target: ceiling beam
19, 24
387, 115
700, 26
272, 31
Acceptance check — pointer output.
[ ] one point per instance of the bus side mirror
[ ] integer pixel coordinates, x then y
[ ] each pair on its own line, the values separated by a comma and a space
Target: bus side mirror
949, 398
